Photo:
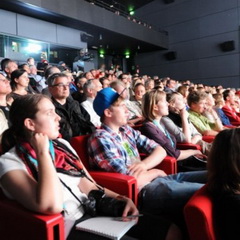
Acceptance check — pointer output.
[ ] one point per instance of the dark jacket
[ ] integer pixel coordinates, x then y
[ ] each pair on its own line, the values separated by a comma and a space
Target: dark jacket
75, 120
153, 132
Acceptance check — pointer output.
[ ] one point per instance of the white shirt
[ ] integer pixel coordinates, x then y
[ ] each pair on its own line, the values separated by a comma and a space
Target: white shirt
72, 208
94, 118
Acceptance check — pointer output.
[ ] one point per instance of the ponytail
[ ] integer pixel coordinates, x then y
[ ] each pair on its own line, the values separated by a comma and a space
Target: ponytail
8, 139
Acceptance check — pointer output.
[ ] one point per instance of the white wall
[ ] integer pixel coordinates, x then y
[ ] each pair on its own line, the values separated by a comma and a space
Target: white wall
27, 27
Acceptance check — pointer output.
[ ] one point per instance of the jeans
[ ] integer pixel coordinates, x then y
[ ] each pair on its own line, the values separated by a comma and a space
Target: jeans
169, 194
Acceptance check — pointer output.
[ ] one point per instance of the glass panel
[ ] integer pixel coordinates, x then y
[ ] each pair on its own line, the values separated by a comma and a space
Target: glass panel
20, 49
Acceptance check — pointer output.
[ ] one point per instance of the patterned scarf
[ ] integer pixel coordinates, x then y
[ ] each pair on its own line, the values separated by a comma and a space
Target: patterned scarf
63, 159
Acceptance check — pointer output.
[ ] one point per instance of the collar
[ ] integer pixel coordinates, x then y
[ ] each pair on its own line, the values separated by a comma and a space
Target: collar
108, 129
194, 113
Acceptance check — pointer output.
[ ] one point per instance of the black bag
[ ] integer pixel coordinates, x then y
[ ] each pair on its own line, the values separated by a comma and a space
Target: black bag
99, 204
192, 163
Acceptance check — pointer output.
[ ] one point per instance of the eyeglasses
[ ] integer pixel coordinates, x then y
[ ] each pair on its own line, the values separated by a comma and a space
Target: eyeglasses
61, 85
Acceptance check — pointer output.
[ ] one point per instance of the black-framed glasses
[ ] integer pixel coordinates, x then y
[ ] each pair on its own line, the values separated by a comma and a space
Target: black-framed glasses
61, 85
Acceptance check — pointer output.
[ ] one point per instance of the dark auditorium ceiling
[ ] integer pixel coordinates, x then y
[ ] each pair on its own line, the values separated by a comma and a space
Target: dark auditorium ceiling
110, 39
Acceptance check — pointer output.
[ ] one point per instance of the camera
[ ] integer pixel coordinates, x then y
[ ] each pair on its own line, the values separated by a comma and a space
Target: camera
99, 204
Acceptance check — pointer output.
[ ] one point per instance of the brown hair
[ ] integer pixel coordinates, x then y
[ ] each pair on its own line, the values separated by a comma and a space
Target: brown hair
195, 97
23, 107
150, 99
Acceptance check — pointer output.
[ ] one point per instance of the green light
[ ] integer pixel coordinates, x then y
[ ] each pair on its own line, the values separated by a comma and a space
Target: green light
131, 10
132, 13
101, 55
127, 56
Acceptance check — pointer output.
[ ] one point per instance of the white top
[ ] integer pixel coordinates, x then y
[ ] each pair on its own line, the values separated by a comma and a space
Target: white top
94, 118
3, 123
72, 209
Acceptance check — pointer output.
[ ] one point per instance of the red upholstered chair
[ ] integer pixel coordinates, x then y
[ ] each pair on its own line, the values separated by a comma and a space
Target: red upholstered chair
199, 217
208, 139
16, 222
184, 146
120, 183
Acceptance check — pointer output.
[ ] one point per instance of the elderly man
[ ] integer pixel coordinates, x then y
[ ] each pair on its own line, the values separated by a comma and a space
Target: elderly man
75, 120
90, 88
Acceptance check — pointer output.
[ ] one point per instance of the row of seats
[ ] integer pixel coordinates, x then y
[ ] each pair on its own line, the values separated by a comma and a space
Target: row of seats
29, 225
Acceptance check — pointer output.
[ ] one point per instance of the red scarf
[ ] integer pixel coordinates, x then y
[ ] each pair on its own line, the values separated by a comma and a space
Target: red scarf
63, 158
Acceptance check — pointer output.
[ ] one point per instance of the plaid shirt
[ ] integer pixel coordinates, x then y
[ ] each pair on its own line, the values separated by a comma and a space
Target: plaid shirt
106, 148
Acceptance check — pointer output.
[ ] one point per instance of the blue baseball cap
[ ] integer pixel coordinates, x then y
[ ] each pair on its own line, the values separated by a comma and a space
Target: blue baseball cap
104, 99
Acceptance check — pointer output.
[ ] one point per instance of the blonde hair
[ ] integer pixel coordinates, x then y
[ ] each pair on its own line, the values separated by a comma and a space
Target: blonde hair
150, 99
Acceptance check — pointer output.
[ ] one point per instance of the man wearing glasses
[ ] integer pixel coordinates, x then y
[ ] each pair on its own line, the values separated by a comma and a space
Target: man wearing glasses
75, 120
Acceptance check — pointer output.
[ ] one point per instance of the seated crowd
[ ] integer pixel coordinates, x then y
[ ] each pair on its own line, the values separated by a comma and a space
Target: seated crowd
40, 114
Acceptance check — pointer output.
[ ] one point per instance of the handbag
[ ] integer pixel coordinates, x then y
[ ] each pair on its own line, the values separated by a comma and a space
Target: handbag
192, 163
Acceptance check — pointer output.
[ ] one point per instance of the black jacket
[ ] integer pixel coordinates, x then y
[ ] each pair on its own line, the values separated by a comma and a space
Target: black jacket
75, 120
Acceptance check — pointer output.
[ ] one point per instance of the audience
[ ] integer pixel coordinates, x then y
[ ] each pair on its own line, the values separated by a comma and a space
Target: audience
19, 83
75, 120
135, 112
219, 103
197, 104
170, 86
210, 112
155, 107
48, 71
5, 89
79, 94
3, 124
229, 98
177, 122
90, 88
37, 171
114, 145
8, 66
115, 148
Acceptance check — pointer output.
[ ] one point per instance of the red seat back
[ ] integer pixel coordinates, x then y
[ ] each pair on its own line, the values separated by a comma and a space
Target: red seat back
80, 144
198, 214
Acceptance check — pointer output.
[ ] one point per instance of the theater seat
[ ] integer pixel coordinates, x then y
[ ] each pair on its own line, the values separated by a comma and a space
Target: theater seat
16, 222
185, 146
208, 139
198, 214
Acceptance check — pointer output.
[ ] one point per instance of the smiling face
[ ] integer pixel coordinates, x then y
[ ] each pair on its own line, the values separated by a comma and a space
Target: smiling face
46, 120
